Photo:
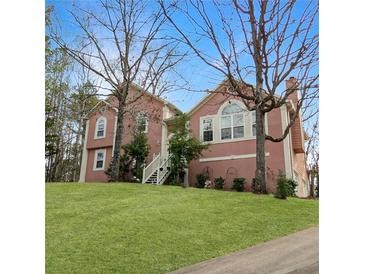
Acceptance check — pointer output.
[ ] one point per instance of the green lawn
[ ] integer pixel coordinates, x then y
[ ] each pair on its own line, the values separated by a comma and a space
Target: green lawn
134, 228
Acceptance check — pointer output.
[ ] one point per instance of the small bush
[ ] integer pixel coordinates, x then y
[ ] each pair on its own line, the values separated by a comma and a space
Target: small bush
285, 187
281, 189
239, 184
201, 179
292, 185
218, 183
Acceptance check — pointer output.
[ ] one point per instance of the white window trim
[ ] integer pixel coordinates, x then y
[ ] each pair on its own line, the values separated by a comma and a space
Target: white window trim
217, 125
137, 117
95, 159
232, 127
244, 113
96, 128
252, 121
202, 131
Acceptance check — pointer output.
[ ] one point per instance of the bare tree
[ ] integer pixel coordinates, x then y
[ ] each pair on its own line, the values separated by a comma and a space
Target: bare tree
121, 39
266, 41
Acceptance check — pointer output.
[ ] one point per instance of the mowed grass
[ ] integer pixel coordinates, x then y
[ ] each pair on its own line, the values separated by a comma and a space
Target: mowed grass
134, 228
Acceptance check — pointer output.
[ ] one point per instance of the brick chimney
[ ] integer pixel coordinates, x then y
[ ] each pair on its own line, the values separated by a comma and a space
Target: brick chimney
296, 130
292, 83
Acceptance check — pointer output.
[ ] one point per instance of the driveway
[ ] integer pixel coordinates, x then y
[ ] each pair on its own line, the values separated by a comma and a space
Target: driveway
295, 253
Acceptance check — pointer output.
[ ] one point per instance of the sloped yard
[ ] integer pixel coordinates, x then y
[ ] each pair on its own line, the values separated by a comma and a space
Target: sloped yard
133, 228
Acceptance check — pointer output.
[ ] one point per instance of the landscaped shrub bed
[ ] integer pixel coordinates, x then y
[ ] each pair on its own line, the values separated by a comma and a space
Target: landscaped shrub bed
239, 184
218, 183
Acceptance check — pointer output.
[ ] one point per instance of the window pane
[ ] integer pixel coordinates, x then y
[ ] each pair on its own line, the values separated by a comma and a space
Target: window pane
142, 125
226, 133
101, 124
99, 164
237, 120
100, 133
253, 130
226, 121
208, 136
142, 122
253, 113
238, 132
100, 156
232, 108
207, 124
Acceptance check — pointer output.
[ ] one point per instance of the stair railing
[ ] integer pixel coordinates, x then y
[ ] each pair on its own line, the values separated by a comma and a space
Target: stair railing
164, 171
151, 168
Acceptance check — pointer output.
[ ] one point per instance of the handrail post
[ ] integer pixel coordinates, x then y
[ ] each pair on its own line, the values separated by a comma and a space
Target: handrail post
158, 175
151, 167
144, 174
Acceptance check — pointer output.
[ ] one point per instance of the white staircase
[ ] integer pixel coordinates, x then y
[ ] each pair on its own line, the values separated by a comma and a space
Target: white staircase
157, 171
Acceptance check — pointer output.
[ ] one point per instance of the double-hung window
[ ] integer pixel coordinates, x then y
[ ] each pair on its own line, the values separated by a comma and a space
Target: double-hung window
207, 130
100, 128
232, 122
142, 123
99, 159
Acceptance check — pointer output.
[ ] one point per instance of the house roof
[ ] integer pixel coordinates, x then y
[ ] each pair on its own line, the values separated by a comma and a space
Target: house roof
97, 104
206, 98
165, 102
139, 88
210, 95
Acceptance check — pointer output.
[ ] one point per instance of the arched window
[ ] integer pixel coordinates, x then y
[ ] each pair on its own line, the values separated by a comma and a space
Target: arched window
142, 122
100, 128
232, 122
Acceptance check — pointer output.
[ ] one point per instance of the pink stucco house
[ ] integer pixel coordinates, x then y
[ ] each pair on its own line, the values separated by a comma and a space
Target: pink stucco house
220, 121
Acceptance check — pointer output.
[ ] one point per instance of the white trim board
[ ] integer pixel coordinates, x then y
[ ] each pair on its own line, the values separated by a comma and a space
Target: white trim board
230, 157
286, 143
84, 155
114, 132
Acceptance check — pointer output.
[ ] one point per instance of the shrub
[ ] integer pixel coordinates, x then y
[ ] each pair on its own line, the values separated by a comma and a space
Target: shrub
131, 161
285, 187
218, 183
201, 178
171, 180
292, 185
281, 189
239, 184
183, 148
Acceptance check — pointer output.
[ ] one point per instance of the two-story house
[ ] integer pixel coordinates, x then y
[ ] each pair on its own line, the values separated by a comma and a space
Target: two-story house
221, 121
143, 110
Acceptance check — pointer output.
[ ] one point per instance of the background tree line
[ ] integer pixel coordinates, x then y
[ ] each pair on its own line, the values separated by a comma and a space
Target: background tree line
69, 96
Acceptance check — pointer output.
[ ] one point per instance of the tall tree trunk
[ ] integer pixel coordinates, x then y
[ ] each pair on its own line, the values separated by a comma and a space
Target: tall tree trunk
317, 179
260, 152
114, 166
311, 178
